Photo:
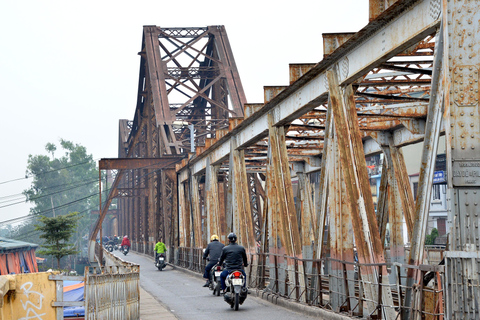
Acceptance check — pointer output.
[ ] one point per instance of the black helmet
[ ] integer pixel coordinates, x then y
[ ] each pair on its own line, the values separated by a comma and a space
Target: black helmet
232, 237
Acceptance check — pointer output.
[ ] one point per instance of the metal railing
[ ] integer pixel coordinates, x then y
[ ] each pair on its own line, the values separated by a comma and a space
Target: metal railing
110, 294
341, 286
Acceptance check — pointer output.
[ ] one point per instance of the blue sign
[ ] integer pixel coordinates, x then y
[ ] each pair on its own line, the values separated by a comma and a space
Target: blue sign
439, 176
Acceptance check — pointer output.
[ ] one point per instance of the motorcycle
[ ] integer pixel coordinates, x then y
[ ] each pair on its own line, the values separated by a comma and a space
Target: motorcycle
109, 247
215, 284
125, 250
160, 262
235, 293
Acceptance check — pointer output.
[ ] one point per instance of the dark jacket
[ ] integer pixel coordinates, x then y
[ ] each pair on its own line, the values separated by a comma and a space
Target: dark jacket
234, 257
214, 250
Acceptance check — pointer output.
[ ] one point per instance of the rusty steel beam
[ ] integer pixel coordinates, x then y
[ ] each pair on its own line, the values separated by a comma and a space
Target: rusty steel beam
196, 212
140, 163
311, 86
241, 202
212, 201
434, 119
369, 248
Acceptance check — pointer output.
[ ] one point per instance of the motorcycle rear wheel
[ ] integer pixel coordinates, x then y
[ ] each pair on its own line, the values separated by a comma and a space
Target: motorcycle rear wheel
237, 300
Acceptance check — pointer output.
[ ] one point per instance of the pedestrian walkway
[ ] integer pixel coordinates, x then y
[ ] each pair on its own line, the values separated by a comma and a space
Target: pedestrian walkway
151, 309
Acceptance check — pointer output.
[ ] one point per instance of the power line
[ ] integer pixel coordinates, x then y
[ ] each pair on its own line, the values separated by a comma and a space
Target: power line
30, 216
45, 195
27, 176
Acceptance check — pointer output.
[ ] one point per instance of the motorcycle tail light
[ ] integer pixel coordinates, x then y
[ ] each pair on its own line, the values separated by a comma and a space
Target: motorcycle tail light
219, 268
237, 274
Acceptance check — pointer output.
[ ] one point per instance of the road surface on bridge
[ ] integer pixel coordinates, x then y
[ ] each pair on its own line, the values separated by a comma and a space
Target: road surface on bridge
185, 297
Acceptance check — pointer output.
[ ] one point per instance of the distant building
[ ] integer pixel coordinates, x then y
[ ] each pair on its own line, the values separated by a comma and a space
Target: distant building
438, 203
17, 257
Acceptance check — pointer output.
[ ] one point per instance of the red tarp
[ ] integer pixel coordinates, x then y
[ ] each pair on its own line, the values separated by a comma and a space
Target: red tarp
11, 262
3, 265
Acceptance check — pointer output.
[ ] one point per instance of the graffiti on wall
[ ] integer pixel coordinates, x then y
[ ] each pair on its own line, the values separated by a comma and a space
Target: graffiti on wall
33, 303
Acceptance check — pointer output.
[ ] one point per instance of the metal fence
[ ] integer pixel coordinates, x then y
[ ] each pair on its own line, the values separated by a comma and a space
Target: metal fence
112, 292
340, 286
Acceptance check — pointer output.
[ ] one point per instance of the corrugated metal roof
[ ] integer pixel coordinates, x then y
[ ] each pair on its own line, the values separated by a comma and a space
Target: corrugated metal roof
8, 245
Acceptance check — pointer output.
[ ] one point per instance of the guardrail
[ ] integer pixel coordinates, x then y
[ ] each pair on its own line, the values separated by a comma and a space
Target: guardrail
112, 292
338, 285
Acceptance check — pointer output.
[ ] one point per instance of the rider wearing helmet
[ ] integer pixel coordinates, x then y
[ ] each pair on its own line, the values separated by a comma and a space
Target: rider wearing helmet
234, 257
125, 242
213, 252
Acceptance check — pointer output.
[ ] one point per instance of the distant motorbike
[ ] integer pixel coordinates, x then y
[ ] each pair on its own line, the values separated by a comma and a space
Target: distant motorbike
215, 279
125, 250
115, 247
109, 246
235, 293
160, 262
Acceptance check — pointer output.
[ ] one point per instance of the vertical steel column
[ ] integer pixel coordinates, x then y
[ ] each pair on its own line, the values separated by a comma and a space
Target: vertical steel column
196, 212
382, 204
308, 222
285, 206
462, 127
273, 229
430, 145
360, 202
395, 209
212, 198
242, 211
182, 241
186, 214
340, 231
172, 210
322, 185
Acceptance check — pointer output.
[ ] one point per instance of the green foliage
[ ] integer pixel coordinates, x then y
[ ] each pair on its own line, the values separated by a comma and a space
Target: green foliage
57, 231
62, 184
430, 239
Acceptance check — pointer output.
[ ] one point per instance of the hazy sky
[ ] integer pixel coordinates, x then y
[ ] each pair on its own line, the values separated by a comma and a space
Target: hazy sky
69, 69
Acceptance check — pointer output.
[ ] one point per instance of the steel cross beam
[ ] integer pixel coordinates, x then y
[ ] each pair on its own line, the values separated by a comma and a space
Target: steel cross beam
140, 163
404, 24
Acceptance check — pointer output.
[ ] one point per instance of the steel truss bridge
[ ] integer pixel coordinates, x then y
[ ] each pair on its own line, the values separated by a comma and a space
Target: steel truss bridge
198, 160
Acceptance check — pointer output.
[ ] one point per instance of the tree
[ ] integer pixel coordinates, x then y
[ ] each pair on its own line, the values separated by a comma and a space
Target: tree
62, 184
57, 231
430, 239
65, 180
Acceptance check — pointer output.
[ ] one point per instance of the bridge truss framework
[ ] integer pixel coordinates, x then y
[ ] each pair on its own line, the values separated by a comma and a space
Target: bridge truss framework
279, 172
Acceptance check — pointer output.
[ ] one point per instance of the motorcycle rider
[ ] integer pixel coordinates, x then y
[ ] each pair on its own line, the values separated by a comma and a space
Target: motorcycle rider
160, 248
125, 242
234, 257
213, 251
